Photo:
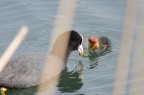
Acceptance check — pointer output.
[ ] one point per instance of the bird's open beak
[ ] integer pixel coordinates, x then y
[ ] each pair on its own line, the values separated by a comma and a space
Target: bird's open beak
96, 45
80, 50
93, 46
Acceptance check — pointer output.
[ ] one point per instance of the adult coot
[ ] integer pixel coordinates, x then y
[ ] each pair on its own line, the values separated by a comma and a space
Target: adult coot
25, 71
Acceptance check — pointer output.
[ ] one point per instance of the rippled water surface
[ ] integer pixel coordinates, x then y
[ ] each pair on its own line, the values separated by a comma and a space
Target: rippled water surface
82, 76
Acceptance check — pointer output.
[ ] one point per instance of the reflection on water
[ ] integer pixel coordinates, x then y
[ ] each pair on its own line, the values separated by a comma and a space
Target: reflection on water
70, 81
28, 91
93, 57
94, 17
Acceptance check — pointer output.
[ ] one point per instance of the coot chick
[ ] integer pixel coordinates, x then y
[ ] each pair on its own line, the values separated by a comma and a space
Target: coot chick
100, 44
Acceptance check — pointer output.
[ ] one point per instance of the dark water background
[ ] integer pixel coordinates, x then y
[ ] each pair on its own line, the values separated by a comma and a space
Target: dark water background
93, 17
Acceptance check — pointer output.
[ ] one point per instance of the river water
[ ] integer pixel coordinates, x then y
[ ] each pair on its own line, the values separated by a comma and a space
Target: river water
82, 76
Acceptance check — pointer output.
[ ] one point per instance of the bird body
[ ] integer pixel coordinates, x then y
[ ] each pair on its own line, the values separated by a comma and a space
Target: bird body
26, 71
23, 71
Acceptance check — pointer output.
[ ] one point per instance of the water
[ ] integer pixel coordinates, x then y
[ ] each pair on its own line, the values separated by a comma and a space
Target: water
93, 17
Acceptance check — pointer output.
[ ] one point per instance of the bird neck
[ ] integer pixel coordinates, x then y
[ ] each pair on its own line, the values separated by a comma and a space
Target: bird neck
61, 47
61, 53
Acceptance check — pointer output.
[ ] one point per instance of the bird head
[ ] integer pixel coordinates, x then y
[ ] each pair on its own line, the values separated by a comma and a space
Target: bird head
75, 42
93, 43
67, 42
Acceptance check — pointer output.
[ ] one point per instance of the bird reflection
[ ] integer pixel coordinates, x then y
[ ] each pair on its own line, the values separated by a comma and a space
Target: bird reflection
93, 57
70, 81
